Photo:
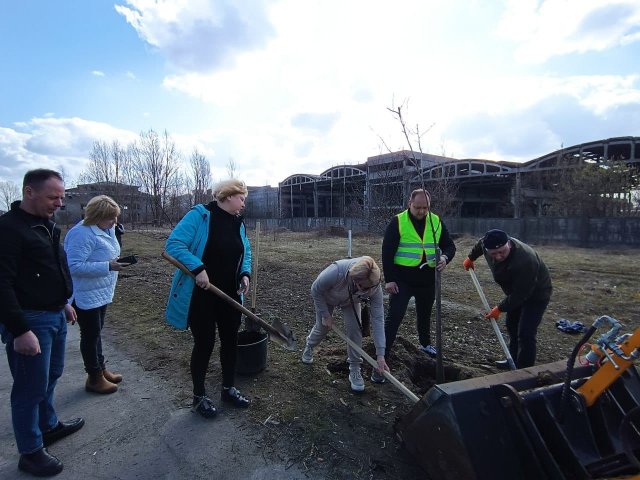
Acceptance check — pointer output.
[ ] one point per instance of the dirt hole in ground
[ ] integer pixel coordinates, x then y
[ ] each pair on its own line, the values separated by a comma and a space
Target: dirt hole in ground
414, 368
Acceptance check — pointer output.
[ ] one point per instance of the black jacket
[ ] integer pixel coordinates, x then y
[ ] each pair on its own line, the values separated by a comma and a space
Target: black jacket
34, 274
414, 276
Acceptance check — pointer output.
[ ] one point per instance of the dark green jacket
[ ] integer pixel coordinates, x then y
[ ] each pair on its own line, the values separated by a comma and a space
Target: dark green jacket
522, 275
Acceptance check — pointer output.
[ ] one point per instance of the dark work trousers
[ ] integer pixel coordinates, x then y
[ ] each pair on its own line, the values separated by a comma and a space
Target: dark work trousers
207, 312
91, 323
522, 325
424, 296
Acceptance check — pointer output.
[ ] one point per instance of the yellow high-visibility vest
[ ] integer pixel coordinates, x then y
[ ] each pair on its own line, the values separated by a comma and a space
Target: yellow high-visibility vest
412, 246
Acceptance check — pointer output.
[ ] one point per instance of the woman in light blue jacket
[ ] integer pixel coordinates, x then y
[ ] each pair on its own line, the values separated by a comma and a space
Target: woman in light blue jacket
92, 251
212, 243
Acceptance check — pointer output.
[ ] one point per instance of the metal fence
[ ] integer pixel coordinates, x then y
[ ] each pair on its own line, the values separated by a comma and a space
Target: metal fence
580, 232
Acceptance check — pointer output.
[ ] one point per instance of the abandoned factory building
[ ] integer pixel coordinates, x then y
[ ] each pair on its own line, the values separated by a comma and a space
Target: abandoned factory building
477, 187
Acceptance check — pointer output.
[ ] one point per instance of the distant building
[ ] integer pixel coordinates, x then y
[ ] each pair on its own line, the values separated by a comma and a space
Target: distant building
132, 201
262, 202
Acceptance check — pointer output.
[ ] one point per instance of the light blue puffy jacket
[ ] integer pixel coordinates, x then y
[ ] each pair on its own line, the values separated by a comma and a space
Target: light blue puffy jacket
186, 244
89, 251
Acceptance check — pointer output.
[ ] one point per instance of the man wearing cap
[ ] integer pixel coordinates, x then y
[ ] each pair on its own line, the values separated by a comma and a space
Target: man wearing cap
525, 280
409, 262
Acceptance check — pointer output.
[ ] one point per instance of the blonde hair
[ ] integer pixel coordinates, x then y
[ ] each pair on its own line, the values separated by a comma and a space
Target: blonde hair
227, 188
365, 270
99, 209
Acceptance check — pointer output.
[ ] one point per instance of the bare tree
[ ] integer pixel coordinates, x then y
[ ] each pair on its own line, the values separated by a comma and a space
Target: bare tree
100, 168
9, 192
440, 185
232, 168
156, 161
390, 182
592, 189
200, 181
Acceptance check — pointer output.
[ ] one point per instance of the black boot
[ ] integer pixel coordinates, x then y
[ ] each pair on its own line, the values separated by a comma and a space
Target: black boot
233, 396
40, 463
503, 365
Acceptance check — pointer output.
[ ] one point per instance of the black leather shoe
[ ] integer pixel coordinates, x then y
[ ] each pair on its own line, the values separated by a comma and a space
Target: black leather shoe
40, 463
62, 430
503, 365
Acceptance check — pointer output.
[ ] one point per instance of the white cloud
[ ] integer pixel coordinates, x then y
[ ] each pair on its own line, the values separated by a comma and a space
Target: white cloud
548, 28
58, 143
199, 35
131, 75
98, 73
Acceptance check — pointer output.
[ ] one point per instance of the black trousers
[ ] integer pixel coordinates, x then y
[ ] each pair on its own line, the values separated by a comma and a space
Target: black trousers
522, 325
424, 296
91, 323
206, 313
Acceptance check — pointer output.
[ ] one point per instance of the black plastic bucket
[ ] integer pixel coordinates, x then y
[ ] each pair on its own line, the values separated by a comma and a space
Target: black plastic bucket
252, 352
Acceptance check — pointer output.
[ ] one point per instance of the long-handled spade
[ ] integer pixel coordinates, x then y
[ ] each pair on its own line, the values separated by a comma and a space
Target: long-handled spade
394, 381
278, 332
438, 291
496, 329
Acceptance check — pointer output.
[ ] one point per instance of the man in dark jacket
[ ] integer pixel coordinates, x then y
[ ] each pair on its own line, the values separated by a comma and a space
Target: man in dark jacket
408, 257
34, 287
525, 280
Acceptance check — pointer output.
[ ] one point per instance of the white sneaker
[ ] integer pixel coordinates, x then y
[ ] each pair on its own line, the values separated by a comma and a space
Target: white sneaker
357, 382
307, 354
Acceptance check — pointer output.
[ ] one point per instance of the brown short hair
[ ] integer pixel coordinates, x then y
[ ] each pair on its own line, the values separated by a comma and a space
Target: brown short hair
36, 178
227, 188
420, 191
365, 270
100, 208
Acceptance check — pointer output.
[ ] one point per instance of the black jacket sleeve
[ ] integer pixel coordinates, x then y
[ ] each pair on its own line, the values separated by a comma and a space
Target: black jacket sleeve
447, 247
477, 251
390, 244
10, 311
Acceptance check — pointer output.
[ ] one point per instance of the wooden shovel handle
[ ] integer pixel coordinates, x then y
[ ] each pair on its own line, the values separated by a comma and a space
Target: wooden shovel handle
394, 381
494, 325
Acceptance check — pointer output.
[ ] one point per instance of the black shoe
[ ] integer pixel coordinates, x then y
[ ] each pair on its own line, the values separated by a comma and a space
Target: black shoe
40, 463
503, 365
62, 430
232, 395
204, 406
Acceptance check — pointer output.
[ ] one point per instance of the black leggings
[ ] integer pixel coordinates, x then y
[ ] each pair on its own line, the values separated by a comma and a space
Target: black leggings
91, 323
206, 312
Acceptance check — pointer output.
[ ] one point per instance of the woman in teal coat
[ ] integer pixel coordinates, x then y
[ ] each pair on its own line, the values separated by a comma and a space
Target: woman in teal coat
211, 242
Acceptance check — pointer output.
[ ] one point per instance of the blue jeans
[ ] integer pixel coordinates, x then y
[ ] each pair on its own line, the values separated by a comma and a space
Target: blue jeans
35, 377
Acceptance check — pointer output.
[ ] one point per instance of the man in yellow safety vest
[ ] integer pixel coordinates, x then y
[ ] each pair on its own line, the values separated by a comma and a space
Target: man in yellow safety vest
409, 262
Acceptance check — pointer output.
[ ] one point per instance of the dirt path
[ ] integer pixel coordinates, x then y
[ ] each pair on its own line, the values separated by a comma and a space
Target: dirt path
139, 432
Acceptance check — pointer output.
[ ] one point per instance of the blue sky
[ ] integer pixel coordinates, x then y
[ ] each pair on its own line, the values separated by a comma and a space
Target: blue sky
298, 86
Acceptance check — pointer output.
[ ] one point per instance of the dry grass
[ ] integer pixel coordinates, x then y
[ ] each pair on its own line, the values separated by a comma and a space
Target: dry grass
307, 413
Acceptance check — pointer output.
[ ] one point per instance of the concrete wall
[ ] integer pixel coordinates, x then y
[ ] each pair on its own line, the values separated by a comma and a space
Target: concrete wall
582, 232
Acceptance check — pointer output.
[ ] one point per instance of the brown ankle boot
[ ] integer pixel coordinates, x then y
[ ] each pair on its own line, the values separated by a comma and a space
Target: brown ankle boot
111, 377
96, 383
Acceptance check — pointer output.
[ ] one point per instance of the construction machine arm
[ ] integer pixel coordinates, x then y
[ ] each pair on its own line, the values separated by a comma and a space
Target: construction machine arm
619, 353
